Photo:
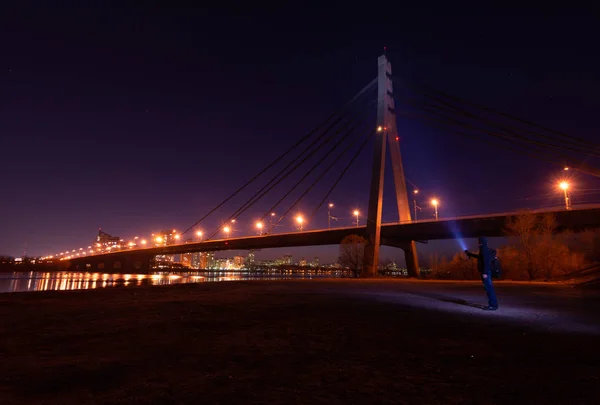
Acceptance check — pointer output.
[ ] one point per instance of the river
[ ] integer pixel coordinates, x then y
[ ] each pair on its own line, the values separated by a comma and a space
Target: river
45, 281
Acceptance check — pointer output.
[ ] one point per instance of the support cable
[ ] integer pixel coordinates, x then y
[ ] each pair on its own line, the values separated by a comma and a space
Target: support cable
263, 191
579, 167
509, 130
583, 142
319, 178
342, 174
584, 168
340, 113
445, 126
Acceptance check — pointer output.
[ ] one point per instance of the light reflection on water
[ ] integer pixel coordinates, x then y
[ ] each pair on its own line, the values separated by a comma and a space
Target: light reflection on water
44, 281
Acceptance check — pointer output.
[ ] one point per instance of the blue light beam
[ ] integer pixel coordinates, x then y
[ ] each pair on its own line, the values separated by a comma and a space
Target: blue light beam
457, 235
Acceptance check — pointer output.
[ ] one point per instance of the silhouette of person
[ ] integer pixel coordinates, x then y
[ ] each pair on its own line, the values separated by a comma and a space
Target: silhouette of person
484, 265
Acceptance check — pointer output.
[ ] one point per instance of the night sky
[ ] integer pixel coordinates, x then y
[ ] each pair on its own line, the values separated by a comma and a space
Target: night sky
138, 120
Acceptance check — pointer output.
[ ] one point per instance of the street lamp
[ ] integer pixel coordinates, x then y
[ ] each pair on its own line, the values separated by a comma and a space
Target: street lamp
329, 215
259, 226
271, 221
227, 230
159, 240
564, 186
199, 235
143, 242
415, 206
356, 215
300, 221
435, 204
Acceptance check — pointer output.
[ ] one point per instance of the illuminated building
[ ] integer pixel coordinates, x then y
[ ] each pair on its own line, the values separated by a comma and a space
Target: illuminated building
391, 266
104, 240
166, 238
250, 259
186, 259
195, 260
221, 264
207, 260
238, 262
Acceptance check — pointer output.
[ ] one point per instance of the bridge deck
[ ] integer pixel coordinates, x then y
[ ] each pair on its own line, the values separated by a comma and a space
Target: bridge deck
392, 234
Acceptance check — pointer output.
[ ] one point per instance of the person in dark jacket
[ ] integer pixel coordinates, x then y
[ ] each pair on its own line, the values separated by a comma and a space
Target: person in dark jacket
484, 265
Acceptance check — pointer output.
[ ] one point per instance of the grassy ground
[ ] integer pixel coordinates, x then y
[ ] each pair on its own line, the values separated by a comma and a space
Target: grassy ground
292, 342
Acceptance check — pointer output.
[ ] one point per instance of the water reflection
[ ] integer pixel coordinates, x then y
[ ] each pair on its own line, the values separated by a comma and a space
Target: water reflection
44, 281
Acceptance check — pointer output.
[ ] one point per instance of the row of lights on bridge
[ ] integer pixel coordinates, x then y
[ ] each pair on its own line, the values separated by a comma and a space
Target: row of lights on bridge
227, 229
434, 203
299, 219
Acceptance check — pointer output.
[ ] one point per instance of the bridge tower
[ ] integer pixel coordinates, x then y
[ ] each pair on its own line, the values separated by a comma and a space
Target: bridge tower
386, 130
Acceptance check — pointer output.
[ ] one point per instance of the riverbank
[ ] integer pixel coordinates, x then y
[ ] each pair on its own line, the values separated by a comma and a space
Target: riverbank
302, 341
18, 268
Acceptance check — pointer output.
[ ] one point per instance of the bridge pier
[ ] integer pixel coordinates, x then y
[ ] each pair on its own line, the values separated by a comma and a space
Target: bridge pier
386, 133
410, 256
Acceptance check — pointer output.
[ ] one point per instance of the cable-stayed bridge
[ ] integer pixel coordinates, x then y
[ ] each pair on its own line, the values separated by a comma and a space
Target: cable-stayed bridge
371, 117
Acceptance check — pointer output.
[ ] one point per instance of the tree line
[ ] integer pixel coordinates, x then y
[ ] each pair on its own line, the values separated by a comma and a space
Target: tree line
535, 251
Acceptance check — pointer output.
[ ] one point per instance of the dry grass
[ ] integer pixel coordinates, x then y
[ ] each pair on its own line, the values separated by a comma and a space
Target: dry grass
293, 342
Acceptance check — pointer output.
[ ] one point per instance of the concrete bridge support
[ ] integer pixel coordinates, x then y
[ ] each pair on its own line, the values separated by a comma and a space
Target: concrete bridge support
386, 133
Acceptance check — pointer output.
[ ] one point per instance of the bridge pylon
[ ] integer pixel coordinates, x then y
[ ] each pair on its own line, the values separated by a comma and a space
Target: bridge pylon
386, 132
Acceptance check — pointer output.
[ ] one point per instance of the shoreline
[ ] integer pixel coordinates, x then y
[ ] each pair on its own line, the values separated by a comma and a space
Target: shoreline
307, 273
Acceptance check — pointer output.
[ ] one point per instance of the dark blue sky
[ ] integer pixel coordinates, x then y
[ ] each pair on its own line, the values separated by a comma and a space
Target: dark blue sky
137, 120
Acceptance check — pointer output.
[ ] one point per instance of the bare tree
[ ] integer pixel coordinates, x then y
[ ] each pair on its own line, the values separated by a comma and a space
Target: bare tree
523, 226
352, 250
586, 243
544, 253
6, 259
547, 245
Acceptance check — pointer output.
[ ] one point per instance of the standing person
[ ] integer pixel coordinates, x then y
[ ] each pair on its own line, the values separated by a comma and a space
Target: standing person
484, 265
